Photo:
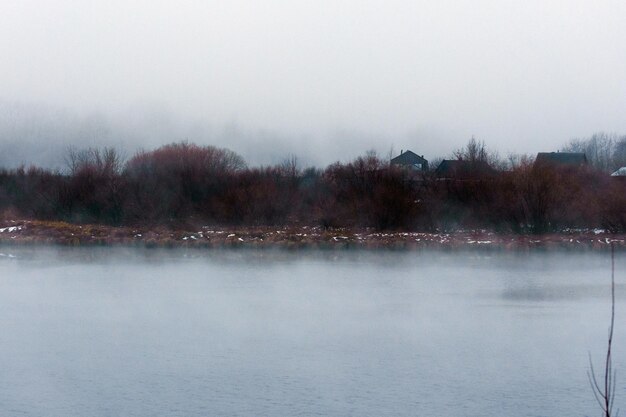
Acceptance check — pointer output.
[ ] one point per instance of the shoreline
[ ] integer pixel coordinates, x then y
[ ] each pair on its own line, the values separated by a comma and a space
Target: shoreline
35, 233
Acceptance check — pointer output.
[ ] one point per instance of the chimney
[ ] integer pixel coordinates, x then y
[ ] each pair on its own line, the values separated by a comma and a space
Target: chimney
401, 151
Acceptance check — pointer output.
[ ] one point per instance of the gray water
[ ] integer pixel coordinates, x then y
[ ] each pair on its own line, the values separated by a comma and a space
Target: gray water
103, 332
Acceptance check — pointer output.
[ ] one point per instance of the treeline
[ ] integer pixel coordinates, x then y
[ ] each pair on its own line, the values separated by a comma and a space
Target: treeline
605, 152
183, 184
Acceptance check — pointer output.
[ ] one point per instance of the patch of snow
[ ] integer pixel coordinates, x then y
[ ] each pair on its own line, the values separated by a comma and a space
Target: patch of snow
10, 229
620, 172
231, 235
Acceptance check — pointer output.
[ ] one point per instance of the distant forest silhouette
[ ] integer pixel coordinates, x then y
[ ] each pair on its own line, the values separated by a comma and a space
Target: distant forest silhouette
184, 184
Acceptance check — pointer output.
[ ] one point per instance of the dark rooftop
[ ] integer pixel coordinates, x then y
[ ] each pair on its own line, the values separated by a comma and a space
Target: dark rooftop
460, 169
409, 158
561, 158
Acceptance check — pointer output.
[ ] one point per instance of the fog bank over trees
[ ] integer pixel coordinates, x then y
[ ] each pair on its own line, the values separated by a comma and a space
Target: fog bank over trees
323, 80
39, 134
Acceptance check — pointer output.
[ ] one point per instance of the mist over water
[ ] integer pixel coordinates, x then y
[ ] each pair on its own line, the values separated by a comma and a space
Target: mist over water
138, 333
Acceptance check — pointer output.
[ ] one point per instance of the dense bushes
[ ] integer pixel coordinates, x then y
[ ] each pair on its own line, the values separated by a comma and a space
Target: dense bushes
185, 184
370, 193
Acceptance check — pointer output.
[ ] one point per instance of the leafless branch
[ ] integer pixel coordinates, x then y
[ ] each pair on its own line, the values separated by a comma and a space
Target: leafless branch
605, 394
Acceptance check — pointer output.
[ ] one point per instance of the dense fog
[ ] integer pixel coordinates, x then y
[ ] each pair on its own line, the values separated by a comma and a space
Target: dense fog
325, 81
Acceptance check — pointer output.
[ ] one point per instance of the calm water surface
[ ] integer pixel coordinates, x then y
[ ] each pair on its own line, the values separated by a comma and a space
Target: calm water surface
106, 332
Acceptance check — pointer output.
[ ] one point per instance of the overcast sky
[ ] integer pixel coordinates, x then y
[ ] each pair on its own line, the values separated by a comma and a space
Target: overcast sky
324, 79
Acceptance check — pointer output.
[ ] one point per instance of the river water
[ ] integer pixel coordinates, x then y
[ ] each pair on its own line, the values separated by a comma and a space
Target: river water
115, 332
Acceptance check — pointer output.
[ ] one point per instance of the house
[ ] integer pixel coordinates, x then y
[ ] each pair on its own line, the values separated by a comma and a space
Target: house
410, 160
463, 170
561, 159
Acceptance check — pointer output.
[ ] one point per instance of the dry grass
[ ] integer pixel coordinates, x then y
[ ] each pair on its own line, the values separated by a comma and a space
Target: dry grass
62, 233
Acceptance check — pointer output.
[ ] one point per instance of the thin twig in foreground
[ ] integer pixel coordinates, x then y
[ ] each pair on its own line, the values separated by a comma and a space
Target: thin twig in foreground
605, 395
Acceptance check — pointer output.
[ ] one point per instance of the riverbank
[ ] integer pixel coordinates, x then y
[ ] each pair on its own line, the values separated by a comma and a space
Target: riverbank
30, 232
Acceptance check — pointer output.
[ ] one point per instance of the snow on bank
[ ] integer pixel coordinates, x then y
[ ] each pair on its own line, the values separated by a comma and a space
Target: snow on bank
10, 229
60, 233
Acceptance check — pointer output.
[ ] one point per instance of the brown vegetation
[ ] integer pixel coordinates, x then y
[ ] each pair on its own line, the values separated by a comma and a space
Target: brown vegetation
183, 186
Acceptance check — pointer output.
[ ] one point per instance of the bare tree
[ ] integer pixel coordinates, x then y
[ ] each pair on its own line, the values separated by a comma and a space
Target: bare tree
604, 390
475, 152
106, 161
289, 166
605, 152
619, 154
516, 160
391, 154
434, 163
72, 159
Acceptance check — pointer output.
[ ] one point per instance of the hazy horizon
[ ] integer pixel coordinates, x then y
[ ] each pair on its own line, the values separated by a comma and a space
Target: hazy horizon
325, 81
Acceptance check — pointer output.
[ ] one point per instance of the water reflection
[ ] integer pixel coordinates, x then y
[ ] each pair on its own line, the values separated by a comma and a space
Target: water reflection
556, 293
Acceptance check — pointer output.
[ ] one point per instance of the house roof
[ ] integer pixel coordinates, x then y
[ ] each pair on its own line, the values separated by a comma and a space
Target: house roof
451, 168
408, 158
620, 172
561, 158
